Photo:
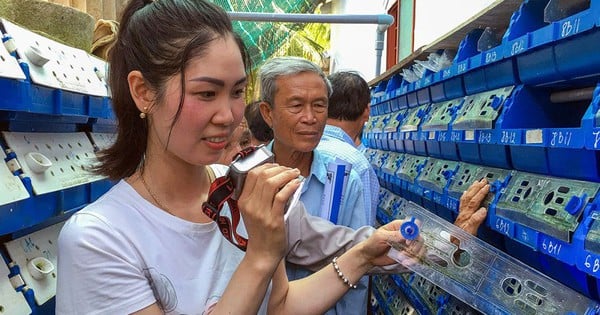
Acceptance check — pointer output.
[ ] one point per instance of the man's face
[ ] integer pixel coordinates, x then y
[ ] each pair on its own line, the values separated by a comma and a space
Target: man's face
299, 113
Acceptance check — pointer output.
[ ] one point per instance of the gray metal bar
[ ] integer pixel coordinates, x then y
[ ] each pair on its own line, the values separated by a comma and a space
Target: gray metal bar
313, 18
383, 21
379, 51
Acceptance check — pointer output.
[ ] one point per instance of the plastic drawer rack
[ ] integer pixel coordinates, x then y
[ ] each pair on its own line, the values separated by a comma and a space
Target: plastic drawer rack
56, 113
544, 214
520, 109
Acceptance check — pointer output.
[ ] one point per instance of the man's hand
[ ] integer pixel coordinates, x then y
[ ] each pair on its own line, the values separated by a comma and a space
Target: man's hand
470, 212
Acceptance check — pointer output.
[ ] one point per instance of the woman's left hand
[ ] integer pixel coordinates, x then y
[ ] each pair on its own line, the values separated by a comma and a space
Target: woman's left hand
375, 249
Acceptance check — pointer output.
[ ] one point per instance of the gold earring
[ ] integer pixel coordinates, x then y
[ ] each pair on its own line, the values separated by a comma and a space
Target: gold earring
143, 114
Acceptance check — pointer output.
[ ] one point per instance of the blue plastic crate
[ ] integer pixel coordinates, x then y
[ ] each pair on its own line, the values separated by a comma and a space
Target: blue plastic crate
474, 81
385, 107
402, 100
24, 121
414, 142
411, 96
16, 95
373, 131
570, 276
395, 120
490, 70
469, 152
591, 122
436, 127
396, 186
553, 51
587, 243
432, 146
498, 70
474, 75
419, 140
28, 212
398, 142
473, 128
414, 193
436, 90
528, 18
461, 65
543, 214
544, 137
495, 155
454, 88
423, 96
501, 73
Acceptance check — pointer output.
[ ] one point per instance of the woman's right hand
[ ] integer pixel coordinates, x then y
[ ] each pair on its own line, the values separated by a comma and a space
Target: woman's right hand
266, 190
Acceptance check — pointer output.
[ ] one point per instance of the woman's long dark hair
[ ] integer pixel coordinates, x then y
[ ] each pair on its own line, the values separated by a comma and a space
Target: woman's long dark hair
157, 38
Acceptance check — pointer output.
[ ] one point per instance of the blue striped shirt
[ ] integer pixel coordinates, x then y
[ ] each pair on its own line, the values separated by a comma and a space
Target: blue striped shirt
330, 144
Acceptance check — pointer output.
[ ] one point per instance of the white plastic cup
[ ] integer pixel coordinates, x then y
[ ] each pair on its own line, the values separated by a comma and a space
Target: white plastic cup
37, 162
39, 268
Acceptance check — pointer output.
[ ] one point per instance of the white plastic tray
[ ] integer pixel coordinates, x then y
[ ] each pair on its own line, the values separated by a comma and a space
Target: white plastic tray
56, 65
42, 243
70, 154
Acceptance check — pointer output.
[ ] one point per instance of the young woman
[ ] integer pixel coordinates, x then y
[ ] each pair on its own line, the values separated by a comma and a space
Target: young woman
177, 76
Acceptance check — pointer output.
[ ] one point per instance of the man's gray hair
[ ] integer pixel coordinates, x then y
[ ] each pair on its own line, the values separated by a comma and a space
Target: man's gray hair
284, 66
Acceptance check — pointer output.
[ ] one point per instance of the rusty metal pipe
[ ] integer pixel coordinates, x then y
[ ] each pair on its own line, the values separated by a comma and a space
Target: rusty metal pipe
583, 94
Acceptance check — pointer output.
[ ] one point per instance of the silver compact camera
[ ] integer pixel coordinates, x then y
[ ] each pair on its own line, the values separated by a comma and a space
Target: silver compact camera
239, 168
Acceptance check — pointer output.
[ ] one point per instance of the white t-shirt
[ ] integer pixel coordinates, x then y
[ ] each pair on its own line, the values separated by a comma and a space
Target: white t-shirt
121, 254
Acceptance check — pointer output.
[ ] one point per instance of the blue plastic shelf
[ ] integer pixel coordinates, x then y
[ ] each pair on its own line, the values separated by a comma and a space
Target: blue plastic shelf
25, 96
546, 137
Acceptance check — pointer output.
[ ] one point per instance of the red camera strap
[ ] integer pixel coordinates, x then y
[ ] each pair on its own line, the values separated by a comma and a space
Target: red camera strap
220, 192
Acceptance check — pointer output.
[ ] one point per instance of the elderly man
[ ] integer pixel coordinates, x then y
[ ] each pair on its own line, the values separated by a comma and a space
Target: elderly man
295, 95
294, 101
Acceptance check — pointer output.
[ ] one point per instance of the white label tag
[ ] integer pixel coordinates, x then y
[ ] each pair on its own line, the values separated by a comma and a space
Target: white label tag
534, 136
469, 134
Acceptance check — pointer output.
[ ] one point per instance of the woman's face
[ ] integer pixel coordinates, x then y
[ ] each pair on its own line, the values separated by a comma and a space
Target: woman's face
213, 106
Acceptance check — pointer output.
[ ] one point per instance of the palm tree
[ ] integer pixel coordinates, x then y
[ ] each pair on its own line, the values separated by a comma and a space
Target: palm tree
310, 41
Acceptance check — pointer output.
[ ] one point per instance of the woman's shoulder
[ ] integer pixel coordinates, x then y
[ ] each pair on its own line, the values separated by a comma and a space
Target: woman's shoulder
106, 208
105, 219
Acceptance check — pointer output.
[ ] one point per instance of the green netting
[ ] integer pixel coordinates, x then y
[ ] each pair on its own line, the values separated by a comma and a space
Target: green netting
264, 39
